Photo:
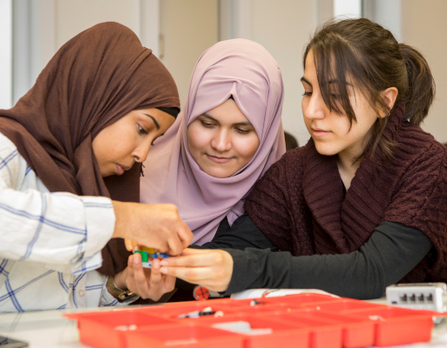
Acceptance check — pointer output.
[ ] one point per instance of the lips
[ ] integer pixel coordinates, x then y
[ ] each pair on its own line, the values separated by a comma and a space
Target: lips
319, 132
120, 169
217, 159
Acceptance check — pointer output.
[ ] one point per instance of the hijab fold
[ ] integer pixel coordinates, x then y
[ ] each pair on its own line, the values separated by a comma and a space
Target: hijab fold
245, 71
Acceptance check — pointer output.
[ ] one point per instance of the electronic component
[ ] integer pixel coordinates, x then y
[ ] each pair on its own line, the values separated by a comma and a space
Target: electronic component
429, 296
148, 254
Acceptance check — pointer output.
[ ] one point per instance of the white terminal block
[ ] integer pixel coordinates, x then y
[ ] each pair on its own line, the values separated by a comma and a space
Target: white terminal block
429, 296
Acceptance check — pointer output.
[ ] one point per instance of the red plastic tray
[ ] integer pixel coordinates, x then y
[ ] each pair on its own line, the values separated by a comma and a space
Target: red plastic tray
300, 321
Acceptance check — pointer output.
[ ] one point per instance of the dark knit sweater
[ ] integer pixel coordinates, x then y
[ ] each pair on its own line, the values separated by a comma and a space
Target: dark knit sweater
300, 205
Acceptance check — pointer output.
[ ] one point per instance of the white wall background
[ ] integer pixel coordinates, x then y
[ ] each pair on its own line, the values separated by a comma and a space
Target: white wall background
188, 27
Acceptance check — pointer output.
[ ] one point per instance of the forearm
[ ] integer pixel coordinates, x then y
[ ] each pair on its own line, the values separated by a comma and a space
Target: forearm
382, 261
53, 227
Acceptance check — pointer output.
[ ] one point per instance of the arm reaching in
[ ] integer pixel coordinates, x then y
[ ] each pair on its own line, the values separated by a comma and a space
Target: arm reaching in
154, 225
210, 268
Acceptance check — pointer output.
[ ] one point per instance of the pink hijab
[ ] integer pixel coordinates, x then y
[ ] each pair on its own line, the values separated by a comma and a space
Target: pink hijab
242, 69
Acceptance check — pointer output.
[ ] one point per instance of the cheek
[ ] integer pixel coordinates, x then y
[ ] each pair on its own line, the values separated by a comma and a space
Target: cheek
247, 147
197, 139
342, 126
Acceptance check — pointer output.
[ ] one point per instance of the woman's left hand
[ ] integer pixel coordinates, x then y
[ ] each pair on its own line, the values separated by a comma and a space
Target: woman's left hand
148, 283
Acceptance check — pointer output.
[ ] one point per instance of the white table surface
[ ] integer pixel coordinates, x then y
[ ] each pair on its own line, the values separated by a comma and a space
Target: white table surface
49, 329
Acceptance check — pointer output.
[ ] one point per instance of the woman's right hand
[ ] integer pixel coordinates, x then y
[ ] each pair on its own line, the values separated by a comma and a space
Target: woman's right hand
157, 226
211, 268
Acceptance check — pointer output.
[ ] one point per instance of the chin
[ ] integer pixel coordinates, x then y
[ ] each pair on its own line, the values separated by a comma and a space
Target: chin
325, 150
217, 174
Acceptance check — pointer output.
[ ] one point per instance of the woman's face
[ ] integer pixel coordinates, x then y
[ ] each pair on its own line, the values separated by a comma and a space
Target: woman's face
118, 146
222, 140
333, 133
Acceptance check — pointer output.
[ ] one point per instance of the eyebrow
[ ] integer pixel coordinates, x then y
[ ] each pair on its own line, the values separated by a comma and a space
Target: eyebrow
153, 119
303, 79
238, 123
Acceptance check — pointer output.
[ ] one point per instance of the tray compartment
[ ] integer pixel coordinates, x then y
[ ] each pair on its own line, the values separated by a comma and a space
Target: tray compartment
109, 329
193, 336
395, 326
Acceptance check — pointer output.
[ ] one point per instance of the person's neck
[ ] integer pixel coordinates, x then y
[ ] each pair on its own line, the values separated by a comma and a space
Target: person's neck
347, 166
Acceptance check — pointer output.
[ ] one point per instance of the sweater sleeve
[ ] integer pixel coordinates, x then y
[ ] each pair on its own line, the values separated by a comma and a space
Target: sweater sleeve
421, 202
391, 252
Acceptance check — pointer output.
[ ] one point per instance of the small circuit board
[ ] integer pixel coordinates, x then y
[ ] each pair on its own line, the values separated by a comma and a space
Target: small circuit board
149, 254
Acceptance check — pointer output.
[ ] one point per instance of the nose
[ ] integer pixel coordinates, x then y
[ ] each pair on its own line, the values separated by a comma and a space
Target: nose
314, 106
221, 140
140, 153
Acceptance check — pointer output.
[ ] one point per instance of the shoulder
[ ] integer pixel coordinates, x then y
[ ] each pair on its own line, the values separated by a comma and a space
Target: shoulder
285, 174
418, 148
292, 161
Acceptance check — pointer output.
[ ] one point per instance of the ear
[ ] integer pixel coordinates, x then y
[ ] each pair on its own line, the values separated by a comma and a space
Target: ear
389, 96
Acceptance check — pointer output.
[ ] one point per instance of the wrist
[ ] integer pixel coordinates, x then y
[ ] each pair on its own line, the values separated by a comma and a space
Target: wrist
119, 209
119, 280
120, 294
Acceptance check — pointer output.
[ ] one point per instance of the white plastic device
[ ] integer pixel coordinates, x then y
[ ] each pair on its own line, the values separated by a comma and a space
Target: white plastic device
429, 296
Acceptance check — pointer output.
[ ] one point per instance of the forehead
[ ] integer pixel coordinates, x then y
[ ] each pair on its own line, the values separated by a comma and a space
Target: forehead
227, 112
158, 117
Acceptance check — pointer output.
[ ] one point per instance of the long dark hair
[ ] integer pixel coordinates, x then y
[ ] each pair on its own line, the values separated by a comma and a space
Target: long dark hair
367, 54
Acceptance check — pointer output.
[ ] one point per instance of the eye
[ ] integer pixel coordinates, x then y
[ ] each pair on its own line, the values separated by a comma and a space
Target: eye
206, 124
243, 130
307, 94
142, 131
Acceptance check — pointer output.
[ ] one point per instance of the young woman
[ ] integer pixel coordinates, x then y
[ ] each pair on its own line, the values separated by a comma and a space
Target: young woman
363, 204
91, 115
224, 140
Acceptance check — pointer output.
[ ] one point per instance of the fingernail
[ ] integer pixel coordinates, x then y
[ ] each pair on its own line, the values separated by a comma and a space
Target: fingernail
163, 263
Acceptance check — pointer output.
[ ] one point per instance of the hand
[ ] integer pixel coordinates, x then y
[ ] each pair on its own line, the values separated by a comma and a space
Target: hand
154, 225
148, 283
211, 268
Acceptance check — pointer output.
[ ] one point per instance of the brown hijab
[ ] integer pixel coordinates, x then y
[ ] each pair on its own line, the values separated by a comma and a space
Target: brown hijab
96, 78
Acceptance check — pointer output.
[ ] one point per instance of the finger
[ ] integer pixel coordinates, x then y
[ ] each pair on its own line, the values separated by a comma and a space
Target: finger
191, 275
169, 282
201, 259
139, 277
157, 285
130, 275
130, 244
185, 235
203, 276
175, 246
156, 277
